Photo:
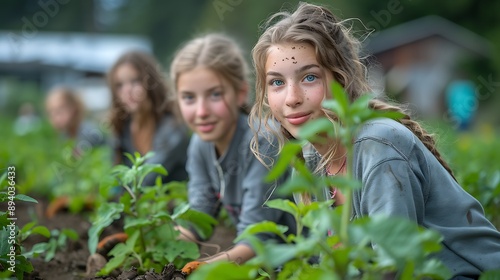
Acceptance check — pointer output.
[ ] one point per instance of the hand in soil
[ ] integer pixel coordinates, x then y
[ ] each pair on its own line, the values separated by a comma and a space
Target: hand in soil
191, 266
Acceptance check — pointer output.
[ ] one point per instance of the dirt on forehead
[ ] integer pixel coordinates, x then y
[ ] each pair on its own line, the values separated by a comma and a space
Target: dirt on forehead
70, 263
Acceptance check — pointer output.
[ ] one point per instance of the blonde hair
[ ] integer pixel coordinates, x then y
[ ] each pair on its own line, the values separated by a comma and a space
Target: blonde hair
71, 98
216, 52
337, 51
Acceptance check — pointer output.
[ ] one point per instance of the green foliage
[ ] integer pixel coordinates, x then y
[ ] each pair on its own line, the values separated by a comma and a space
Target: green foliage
473, 156
57, 242
365, 248
150, 225
77, 176
11, 238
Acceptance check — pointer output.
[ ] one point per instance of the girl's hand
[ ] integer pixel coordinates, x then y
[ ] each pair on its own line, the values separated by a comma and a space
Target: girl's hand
191, 266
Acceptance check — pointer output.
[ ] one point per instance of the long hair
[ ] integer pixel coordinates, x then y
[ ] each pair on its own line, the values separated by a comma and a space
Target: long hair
216, 52
337, 51
157, 102
71, 99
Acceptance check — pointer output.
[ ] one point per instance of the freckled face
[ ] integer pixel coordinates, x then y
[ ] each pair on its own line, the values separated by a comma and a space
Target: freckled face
295, 84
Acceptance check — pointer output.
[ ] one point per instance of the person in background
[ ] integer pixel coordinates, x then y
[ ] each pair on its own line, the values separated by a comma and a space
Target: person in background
27, 120
144, 119
66, 113
297, 58
209, 74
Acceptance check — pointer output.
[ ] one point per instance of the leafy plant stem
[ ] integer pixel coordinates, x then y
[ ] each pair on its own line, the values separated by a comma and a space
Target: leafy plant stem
346, 211
130, 192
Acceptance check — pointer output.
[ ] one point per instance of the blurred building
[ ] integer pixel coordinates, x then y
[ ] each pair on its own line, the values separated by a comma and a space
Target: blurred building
79, 60
419, 60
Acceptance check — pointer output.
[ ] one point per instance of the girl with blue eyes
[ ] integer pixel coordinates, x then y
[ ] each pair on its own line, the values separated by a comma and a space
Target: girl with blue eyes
209, 74
402, 173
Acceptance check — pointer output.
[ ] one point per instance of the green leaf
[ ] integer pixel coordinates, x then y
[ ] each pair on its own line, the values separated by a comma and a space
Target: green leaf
288, 154
360, 105
41, 230
51, 250
490, 275
137, 222
4, 245
437, 270
26, 198
148, 168
297, 184
131, 157
340, 95
36, 250
115, 262
22, 265
263, 227
314, 128
284, 205
202, 222
181, 248
106, 214
335, 107
224, 270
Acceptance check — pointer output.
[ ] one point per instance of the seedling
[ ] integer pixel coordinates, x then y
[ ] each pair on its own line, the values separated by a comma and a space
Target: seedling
152, 238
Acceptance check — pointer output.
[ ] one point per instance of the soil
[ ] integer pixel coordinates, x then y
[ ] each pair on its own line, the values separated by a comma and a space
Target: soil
71, 263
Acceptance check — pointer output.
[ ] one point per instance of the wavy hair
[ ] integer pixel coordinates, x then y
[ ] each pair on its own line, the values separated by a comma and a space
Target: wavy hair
337, 51
158, 101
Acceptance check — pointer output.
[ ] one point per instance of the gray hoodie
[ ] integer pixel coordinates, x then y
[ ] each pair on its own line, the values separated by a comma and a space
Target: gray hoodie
401, 177
234, 180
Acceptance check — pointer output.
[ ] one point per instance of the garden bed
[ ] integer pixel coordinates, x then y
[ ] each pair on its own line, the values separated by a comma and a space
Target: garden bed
70, 263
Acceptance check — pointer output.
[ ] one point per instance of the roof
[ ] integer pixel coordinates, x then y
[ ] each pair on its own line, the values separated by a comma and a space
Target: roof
426, 27
79, 51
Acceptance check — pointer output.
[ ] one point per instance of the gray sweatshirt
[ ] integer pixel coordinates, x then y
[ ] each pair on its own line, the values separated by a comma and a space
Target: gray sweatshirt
234, 180
170, 142
401, 177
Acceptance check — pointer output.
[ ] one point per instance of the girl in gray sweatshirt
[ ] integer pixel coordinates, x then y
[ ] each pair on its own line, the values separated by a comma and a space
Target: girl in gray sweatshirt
209, 74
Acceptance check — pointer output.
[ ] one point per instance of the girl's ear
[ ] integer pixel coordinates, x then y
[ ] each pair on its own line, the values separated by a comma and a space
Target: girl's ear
243, 94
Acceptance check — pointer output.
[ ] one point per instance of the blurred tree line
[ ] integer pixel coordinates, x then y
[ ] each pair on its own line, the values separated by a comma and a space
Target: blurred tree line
169, 23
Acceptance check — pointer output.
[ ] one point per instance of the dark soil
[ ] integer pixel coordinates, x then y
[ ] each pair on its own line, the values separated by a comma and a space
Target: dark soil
71, 262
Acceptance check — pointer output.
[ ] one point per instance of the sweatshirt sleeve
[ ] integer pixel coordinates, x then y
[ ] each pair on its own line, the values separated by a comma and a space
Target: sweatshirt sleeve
169, 149
201, 194
256, 192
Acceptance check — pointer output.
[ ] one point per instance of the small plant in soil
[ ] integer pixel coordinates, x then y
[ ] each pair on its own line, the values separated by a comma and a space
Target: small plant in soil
13, 256
148, 221
77, 177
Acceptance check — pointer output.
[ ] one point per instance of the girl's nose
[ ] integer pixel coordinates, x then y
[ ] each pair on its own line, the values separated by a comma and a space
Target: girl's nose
202, 109
294, 96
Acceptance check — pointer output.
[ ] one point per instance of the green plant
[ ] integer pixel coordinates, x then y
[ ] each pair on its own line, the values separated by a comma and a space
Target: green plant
57, 241
12, 259
403, 252
77, 176
152, 237
474, 158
